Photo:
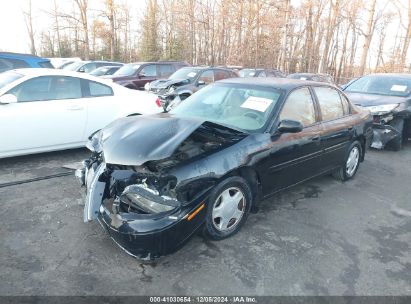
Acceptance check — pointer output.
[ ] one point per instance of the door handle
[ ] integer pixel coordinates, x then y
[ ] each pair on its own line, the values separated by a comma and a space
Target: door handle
75, 108
316, 138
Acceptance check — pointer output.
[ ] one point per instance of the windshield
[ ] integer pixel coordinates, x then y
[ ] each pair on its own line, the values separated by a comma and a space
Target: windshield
127, 70
185, 73
73, 66
381, 85
247, 108
247, 73
8, 77
99, 71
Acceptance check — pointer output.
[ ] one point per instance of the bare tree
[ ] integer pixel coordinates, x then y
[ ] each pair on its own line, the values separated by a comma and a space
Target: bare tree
368, 36
82, 6
28, 18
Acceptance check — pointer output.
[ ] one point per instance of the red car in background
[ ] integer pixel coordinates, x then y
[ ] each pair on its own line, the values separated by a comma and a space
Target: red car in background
136, 75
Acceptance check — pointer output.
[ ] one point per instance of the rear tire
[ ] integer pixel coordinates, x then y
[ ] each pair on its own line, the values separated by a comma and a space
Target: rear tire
227, 208
351, 162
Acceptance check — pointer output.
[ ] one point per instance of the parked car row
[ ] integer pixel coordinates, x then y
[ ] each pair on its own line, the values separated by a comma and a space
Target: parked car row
136, 75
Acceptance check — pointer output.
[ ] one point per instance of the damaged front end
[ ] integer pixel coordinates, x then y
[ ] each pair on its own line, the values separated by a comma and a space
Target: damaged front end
132, 205
169, 91
140, 202
388, 122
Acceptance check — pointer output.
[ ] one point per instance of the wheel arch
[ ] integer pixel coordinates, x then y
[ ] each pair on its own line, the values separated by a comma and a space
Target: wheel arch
130, 86
133, 114
252, 178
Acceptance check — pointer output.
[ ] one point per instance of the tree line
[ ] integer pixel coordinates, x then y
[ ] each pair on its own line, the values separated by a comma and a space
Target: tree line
344, 38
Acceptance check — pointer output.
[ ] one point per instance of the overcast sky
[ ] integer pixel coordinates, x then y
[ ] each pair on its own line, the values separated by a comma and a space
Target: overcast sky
13, 32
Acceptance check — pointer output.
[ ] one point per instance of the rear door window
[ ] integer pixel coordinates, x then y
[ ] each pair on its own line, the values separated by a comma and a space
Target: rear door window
345, 104
207, 77
98, 89
46, 64
299, 106
220, 74
330, 103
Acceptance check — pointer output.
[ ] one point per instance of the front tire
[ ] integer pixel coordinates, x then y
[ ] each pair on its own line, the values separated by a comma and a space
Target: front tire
351, 163
227, 208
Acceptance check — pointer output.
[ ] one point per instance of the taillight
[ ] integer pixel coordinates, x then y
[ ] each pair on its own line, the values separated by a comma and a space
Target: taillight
158, 103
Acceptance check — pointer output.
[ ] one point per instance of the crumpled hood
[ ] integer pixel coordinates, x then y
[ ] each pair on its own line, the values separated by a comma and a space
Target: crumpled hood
368, 100
132, 141
164, 83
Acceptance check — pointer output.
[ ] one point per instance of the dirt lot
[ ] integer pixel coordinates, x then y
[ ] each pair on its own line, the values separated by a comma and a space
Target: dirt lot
323, 237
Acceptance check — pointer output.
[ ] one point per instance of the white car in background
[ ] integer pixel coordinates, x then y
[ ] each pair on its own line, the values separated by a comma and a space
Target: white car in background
47, 109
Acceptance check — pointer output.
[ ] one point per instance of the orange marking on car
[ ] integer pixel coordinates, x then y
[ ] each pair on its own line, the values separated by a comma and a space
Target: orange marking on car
190, 217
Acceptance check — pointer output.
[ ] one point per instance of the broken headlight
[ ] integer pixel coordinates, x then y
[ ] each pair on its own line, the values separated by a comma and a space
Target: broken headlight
94, 142
382, 109
147, 200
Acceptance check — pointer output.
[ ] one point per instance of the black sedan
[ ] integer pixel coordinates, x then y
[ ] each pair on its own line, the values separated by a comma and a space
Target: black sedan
388, 97
218, 153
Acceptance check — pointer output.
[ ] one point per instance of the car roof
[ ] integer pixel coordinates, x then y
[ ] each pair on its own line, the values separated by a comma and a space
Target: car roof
22, 56
406, 75
272, 82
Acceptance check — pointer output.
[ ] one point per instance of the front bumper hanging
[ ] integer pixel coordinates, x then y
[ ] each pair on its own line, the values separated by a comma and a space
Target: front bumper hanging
383, 134
145, 236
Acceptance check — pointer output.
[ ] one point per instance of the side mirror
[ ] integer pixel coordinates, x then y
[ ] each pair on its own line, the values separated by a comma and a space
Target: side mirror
142, 74
201, 82
290, 126
8, 98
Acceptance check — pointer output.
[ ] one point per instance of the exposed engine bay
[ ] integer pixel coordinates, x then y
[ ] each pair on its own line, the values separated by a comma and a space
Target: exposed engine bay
150, 188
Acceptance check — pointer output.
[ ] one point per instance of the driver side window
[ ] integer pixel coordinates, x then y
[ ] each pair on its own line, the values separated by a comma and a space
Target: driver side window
207, 77
149, 71
299, 107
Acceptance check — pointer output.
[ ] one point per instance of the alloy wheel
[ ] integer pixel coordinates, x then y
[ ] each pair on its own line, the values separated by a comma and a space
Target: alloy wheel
352, 161
228, 209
